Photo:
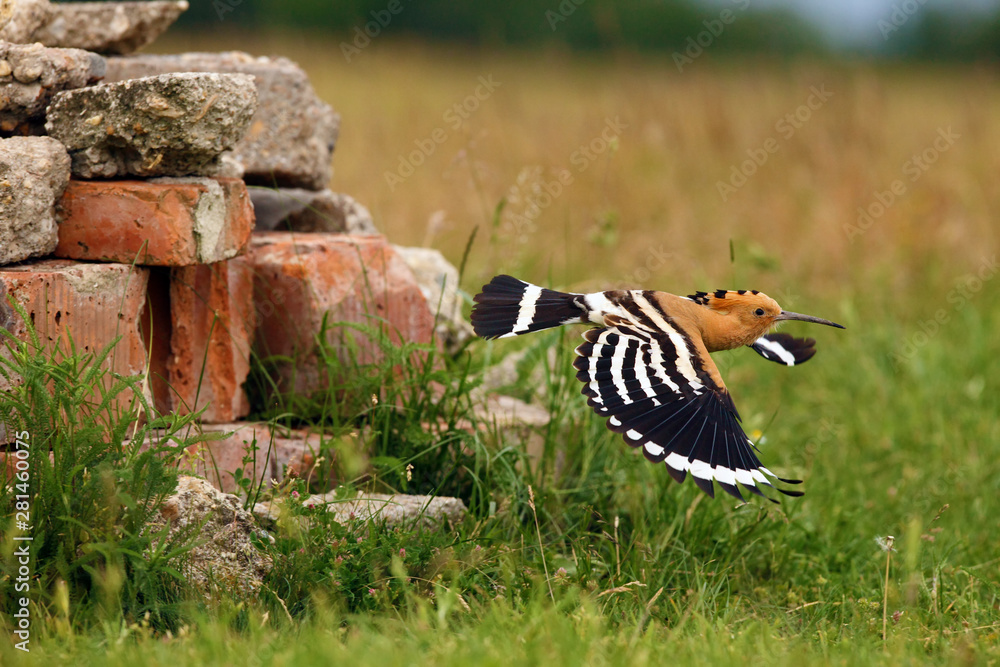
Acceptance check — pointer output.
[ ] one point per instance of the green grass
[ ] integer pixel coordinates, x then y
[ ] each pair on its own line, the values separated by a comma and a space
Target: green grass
576, 630
882, 449
83, 487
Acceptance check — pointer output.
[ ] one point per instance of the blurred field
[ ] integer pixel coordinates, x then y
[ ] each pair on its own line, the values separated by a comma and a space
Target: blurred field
894, 419
683, 134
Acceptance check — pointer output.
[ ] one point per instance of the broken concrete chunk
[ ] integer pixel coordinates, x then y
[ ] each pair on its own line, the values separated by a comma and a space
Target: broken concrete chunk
6, 13
30, 74
428, 511
438, 280
34, 172
510, 412
298, 210
292, 136
431, 512
224, 559
21, 19
169, 125
107, 27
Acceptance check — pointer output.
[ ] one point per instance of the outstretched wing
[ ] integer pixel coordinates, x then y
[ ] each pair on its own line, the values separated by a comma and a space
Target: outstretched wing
785, 349
663, 397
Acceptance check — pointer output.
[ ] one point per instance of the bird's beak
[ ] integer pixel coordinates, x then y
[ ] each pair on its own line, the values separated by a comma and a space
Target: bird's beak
785, 315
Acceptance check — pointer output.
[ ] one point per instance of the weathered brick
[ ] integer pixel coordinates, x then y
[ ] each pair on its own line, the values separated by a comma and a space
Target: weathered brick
209, 332
299, 279
162, 222
217, 460
8, 464
92, 303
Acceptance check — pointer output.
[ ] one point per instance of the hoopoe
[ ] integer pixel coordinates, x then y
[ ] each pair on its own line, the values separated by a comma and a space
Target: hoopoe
646, 367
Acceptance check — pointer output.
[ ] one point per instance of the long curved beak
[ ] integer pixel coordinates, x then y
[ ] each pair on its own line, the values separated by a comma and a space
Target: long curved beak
785, 315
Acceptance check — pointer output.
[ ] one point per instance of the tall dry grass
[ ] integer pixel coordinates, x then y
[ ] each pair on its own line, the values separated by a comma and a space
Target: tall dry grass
683, 134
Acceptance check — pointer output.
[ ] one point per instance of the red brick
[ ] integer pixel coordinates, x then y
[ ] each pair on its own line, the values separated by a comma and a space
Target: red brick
167, 222
217, 460
92, 303
8, 463
300, 277
212, 327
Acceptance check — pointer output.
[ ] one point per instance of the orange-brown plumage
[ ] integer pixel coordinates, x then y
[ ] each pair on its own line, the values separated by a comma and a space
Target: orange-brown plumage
728, 319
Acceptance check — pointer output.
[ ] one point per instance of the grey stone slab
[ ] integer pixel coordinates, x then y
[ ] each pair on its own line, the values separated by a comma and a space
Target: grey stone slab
107, 27
433, 512
300, 210
167, 125
292, 135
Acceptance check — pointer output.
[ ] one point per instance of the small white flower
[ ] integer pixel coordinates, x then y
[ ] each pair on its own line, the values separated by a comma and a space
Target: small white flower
885, 543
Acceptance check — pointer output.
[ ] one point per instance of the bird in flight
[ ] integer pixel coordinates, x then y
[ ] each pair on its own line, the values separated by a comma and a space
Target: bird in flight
646, 367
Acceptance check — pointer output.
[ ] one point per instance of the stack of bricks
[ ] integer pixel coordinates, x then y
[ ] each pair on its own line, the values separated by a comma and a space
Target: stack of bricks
133, 218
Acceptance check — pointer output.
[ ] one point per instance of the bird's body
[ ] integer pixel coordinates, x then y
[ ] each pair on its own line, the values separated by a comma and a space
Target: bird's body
647, 367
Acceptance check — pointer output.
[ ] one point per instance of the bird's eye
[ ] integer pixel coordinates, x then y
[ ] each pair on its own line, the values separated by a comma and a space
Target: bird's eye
759, 312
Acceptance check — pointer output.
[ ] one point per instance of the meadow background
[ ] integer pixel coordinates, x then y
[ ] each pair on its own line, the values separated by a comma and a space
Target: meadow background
893, 425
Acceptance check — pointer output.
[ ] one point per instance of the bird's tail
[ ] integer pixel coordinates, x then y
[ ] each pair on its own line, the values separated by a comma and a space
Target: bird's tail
511, 307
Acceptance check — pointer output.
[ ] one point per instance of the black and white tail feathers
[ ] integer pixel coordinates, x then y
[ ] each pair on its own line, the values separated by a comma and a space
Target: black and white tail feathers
511, 307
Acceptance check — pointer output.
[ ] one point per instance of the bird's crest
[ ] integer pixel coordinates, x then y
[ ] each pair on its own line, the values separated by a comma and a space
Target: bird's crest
744, 316
714, 299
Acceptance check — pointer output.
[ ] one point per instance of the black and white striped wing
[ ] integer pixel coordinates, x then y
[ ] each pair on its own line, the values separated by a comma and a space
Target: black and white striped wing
785, 349
659, 395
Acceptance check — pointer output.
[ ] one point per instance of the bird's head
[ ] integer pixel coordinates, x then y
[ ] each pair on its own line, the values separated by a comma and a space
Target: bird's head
746, 316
